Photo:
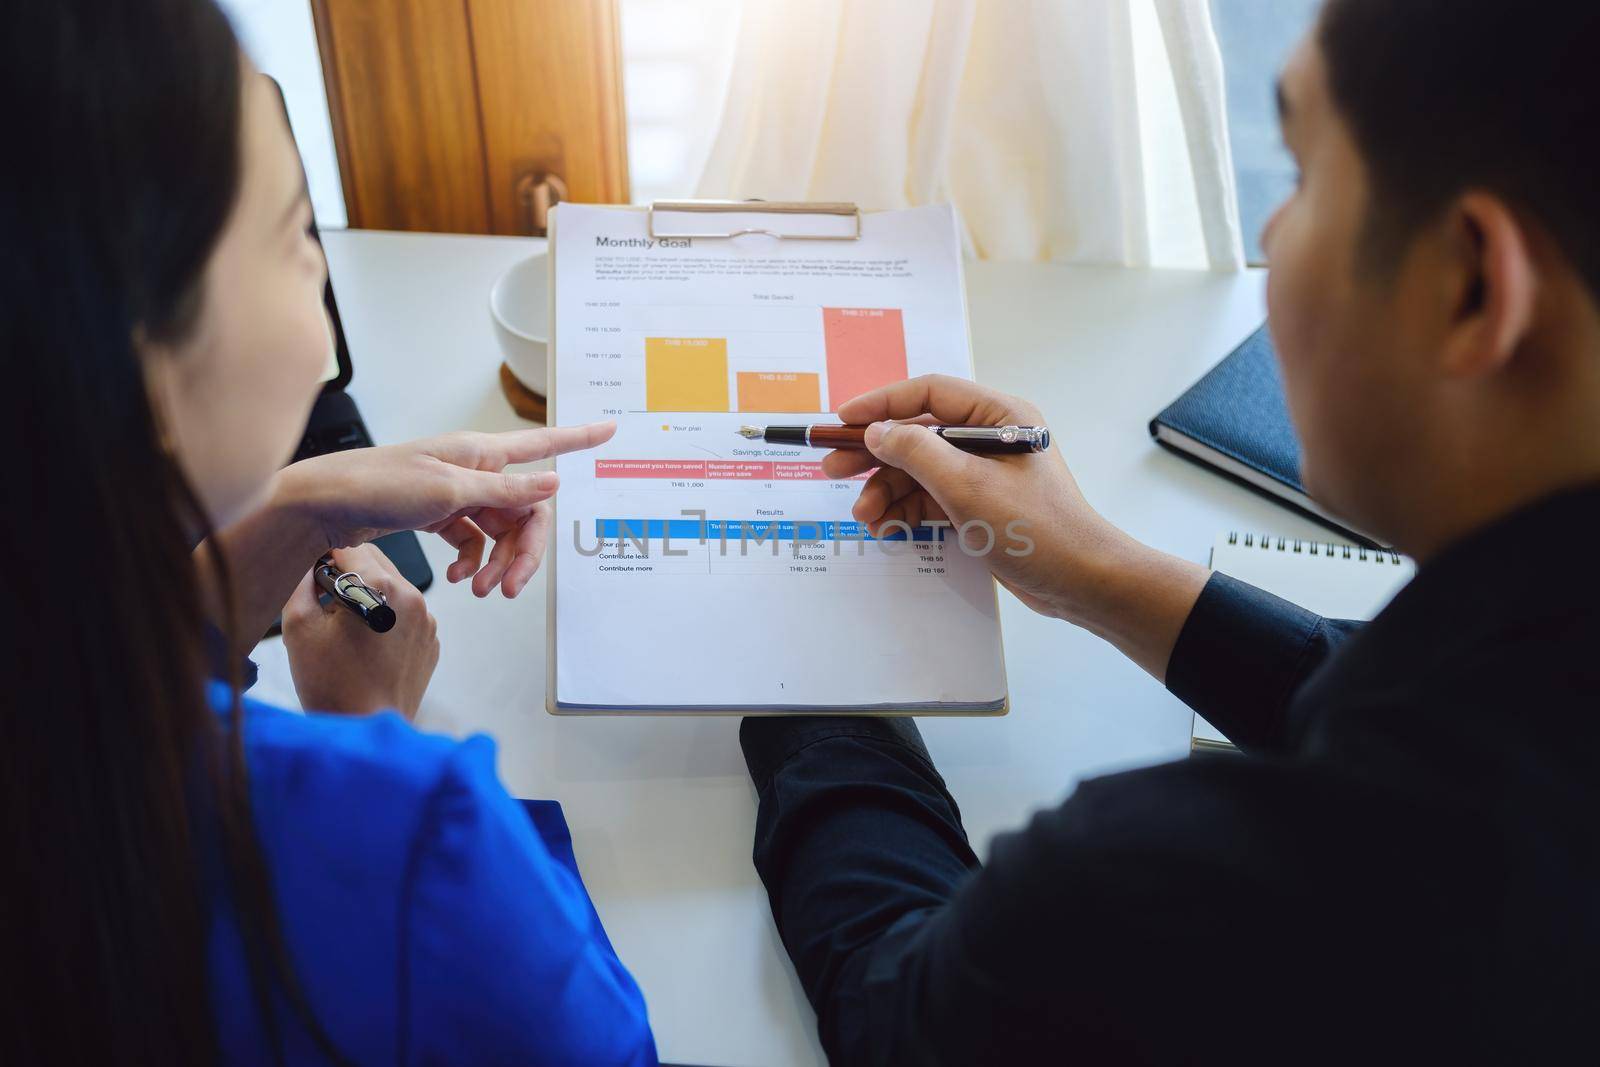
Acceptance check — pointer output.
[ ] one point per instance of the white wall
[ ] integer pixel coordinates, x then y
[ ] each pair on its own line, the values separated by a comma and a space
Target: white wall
281, 39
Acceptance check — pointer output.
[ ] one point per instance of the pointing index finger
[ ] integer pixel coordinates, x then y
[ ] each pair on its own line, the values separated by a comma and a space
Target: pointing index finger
526, 446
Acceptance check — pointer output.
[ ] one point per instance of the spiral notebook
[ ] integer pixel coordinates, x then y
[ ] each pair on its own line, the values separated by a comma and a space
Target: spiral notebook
1338, 580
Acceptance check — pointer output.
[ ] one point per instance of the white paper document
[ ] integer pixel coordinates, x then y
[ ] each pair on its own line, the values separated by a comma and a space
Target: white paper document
695, 570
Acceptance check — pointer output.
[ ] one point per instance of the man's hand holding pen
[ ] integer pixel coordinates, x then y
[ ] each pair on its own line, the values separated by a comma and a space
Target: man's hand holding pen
1049, 546
921, 477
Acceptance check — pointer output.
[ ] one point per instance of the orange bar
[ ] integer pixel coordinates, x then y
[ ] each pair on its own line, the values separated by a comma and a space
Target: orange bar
779, 391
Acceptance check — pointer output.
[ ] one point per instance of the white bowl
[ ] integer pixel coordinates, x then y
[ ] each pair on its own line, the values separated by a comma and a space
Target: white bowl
519, 307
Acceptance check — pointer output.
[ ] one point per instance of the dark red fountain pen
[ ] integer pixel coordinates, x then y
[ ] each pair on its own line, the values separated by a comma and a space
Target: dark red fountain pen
984, 440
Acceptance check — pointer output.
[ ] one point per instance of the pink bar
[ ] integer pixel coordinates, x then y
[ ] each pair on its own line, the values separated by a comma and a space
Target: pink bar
737, 469
865, 348
649, 468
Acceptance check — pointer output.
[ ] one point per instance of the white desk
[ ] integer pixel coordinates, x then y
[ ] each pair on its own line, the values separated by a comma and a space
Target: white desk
662, 810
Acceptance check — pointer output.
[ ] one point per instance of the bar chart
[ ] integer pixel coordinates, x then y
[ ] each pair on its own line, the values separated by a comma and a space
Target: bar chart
786, 367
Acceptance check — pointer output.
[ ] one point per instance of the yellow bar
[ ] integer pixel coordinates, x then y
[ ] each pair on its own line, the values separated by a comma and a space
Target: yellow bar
779, 391
685, 374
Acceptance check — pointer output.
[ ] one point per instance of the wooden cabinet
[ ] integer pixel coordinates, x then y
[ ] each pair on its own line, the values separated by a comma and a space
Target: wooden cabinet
472, 116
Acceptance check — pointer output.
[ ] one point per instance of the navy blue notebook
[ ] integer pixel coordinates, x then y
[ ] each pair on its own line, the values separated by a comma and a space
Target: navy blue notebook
1235, 421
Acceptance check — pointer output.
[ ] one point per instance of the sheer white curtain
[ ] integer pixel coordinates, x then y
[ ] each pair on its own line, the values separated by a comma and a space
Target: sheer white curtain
1082, 130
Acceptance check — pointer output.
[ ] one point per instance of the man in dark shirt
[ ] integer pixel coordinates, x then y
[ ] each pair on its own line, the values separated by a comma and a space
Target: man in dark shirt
1405, 864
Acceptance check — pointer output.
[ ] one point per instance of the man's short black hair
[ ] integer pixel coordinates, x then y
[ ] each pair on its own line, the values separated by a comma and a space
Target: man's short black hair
1449, 96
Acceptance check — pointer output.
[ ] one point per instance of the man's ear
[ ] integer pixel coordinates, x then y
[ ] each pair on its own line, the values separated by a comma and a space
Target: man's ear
1500, 287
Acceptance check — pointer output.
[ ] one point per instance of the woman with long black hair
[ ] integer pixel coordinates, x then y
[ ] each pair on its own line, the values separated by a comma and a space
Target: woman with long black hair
193, 876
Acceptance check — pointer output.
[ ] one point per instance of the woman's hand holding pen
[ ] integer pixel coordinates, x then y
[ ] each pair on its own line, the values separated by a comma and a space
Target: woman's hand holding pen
1050, 547
456, 485
338, 664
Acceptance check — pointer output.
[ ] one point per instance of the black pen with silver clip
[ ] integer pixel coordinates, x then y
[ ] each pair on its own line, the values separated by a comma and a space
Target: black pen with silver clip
982, 440
348, 588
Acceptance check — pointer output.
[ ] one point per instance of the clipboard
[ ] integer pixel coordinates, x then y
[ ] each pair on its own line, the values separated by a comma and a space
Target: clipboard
784, 220
728, 220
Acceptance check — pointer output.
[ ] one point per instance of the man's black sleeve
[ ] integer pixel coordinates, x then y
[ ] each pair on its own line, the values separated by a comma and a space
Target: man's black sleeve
1241, 656
1110, 929
859, 844
912, 954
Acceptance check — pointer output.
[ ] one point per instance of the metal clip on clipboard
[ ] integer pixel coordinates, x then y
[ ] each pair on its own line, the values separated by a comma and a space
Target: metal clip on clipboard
784, 220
